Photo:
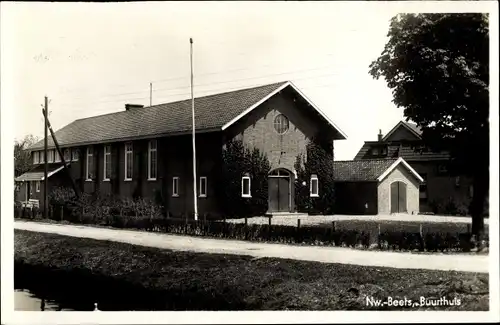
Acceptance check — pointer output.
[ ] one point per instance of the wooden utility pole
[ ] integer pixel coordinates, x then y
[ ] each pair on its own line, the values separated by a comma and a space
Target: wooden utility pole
195, 191
60, 153
46, 165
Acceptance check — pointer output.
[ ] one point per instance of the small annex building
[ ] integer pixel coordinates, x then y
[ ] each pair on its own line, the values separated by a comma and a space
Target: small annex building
376, 186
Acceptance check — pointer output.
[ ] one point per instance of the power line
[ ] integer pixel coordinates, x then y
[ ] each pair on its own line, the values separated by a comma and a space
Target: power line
159, 90
160, 98
187, 78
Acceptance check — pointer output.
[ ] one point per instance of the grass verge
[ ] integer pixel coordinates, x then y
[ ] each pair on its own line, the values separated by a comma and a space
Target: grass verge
126, 277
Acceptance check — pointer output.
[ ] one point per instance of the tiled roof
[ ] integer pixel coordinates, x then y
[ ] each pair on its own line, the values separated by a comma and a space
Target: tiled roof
361, 170
406, 152
37, 172
212, 112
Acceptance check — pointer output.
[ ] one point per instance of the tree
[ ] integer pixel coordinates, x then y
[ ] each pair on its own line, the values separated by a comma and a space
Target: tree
437, 66
22, 157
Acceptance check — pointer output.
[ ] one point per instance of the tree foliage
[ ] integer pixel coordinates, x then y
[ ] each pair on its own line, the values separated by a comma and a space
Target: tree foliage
318, 161
437, 66
22, 157
238, 161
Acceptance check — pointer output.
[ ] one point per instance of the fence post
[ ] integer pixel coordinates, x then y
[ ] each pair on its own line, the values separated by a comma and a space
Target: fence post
468, 228
62, 212
333, 226
297, 237
224, 230
245, 229
422, 242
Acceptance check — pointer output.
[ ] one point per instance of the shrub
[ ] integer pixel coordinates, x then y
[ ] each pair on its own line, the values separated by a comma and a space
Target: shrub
238, 161
319, 161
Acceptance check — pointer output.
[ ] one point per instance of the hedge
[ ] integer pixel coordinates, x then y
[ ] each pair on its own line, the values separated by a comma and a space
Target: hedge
319, 235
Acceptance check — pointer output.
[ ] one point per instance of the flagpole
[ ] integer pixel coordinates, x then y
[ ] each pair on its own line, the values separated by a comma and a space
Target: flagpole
195, 191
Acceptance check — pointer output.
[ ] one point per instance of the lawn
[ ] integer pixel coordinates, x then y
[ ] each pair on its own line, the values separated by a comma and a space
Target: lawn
122, 276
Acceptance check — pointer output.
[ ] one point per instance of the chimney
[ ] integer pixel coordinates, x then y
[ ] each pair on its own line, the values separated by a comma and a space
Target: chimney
129, 107
380, 135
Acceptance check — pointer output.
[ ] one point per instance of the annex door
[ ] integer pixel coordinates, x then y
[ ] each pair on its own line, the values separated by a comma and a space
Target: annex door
279, 191
398, 197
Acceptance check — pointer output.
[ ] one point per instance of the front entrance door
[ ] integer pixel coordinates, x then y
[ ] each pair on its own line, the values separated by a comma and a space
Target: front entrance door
279, 192
398, 197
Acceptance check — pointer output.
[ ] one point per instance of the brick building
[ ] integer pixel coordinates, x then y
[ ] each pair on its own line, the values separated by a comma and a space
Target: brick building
440, 187
147, 151
376, 186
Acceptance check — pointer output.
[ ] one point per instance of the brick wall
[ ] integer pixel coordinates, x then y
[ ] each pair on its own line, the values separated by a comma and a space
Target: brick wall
412, 191
257, 130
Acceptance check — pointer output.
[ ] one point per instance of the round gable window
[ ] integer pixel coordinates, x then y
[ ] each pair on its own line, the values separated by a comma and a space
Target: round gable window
281, 124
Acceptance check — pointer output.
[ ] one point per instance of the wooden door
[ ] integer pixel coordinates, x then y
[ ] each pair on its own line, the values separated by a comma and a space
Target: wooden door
398, 197
273, 194
284, 194
402, 197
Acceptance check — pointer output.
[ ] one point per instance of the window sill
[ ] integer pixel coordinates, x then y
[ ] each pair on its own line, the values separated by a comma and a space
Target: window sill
127, 180
106, 180
202, 196
175, 195
246, 196
88, 180
314, 195
151, 179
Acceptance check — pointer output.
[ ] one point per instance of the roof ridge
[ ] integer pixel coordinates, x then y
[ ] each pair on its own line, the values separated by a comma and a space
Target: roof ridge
183, 100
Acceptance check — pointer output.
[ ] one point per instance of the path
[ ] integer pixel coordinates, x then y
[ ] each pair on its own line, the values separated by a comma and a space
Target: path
455, 262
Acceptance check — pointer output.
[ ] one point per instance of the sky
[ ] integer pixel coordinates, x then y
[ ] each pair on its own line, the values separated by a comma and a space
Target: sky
91, 59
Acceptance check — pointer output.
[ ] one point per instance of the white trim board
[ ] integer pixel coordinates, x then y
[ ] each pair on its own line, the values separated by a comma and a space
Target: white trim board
394, 165
286, 84
397, 127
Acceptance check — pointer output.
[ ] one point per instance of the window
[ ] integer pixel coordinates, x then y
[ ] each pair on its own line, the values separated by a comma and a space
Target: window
90, 163
314, 186
281, 124
152, 157
203, 186
57, 157
245, 187
50, 156
175, 186
36, 157
67, 155
107, 163
129, 159
37, 186
423, 188
42, 157
75, 154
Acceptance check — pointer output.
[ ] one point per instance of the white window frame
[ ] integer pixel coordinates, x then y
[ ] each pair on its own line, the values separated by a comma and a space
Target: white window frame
150, 152
175, 181
67, 155
243, 194
131, 152
37, 186
90, 154
57, 158
314, 177
42, 157
74, 155
107, 156
36, 157
50, 156
206, 186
